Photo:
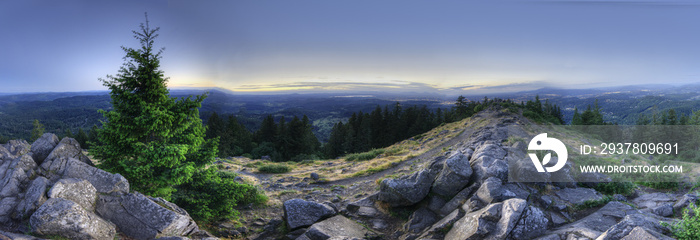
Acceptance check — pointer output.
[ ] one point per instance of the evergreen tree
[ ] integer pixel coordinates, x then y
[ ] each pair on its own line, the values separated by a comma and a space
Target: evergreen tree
82, 138
267, 131
155, 141
282, 141
37, 131
377, 126
68, 133
214, 126
241, 138
334, 146
461, 109
311, 143
92, 136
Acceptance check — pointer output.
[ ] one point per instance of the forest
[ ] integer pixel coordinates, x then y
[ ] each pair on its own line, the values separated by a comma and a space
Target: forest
282, 140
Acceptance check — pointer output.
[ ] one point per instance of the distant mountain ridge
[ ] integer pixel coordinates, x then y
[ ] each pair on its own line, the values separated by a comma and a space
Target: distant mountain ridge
59, 111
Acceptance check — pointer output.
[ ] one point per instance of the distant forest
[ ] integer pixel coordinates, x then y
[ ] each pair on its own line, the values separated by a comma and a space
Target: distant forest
283, 140
285, 135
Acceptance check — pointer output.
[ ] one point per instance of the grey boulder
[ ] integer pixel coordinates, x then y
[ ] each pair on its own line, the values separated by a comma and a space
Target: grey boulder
76, 190
683, 203
663, 210
18, 147
420, 220
492, 190
532, 223
139, 217
629, 222
487, 166
643, 233
593, 225
578, 196
66, 218
42, 147
337, 227
406, 190
301, 213
103, 181
34, 197
494, 221
454, 176
68, 148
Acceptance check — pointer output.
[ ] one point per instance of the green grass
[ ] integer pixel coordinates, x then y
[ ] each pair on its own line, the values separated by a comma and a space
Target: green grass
660, 180
274, 168
254, 164
610, 188
364, 156
593, 203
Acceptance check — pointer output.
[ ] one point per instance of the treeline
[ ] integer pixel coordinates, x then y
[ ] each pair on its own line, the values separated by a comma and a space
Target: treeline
85, 138
381, 128
384, 127
281, 140
671, 127
591, 116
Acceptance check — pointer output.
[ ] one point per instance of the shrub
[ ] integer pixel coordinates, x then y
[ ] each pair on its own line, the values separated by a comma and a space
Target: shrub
153, 140
227, 174
364, 156
624, 188
212, 196
660, 180
273, 168
593, 203
689, 226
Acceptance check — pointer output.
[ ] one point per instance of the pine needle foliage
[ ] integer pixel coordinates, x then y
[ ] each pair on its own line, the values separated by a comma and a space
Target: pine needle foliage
155, 141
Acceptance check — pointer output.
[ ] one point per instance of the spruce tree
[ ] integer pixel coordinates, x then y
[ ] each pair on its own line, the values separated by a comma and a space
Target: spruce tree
82, 138
155, 141
37, 131
92, 136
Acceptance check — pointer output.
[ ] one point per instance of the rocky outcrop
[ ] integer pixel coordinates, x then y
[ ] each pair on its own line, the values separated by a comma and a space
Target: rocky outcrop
300, 213
484, 189
54, 189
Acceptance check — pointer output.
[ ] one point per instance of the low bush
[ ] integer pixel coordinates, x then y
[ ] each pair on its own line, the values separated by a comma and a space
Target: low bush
364, 156
610, 188
593, 203
661, 180
689, 226
227, 174
212, 196
273, 168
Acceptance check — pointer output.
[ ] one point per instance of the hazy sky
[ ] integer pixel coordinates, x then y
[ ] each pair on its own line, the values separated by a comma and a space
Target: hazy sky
357, 45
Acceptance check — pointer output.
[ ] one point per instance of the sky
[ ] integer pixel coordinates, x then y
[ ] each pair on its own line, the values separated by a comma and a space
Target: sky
316, 46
